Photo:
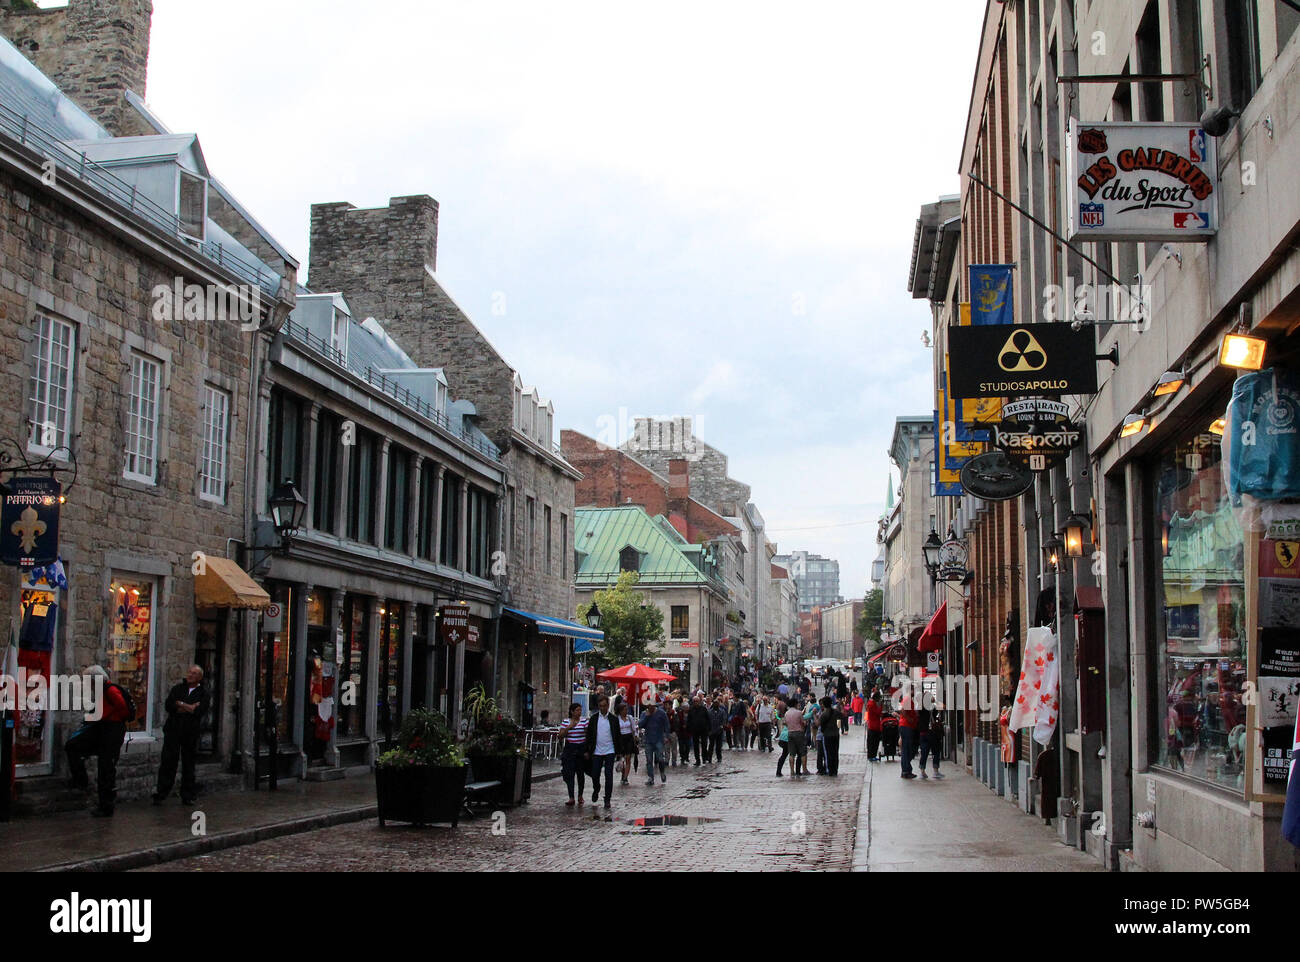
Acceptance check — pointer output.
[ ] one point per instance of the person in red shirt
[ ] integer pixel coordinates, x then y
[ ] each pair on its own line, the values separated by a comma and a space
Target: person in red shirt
873, 727
907, 732
101, 737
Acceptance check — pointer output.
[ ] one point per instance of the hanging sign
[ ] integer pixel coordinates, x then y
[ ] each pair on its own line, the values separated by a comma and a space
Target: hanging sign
993, 477
953, 556
457, 626
1013, 360
1139, 181
29, 521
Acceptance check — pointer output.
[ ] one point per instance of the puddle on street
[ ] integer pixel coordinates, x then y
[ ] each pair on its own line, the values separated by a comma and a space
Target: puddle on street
655, 821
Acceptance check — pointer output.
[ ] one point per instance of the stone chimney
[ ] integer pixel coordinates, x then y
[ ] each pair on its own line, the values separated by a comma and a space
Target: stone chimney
679, 485
94, 50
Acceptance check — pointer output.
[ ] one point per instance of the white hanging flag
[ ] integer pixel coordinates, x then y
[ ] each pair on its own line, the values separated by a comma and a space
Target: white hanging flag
1038, 702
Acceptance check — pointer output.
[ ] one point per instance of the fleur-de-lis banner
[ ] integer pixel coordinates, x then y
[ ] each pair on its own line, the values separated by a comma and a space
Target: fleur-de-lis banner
29, 522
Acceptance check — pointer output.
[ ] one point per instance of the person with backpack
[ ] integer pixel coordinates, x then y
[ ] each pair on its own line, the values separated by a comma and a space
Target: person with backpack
186, 705
930, 722
102, 736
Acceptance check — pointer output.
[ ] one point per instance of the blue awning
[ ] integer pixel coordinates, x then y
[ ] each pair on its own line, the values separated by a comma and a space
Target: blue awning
559, 627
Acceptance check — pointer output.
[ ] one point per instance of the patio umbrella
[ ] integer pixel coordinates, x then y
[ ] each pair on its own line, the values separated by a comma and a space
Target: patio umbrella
632, 677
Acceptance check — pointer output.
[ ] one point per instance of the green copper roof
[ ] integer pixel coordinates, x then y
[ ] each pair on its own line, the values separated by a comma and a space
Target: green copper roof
601, 534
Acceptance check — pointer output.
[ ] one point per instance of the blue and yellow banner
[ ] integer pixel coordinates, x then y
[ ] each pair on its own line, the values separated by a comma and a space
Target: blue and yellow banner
992, 294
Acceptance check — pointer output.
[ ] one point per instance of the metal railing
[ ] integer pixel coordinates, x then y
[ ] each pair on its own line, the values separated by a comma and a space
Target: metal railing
75, 163
403, 396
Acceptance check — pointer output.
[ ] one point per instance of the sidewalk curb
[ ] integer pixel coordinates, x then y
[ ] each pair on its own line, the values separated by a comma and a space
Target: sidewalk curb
202, 846
172, 851
862, 835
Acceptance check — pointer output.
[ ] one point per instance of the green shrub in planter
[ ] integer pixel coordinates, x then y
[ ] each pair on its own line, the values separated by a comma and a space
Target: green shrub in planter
422, 779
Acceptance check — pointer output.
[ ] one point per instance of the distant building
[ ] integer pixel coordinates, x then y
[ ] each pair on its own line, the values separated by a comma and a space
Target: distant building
817, 578
840, 635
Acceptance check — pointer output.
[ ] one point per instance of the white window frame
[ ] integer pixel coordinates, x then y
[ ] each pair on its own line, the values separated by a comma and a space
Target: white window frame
41, 379
136, 417
214, 455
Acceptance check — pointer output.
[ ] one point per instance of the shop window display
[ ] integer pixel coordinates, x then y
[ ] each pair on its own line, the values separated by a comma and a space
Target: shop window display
38, 620
352, 667
1201, 591
130, 644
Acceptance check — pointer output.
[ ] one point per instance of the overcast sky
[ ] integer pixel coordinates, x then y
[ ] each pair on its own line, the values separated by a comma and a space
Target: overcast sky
698, 209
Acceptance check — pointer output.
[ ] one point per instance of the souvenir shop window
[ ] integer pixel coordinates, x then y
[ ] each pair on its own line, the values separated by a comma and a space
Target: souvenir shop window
38, 622
131, 644
1201, 665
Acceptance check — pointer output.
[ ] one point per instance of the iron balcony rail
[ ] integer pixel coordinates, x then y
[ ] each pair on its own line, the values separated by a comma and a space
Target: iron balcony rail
69, 160
318, 345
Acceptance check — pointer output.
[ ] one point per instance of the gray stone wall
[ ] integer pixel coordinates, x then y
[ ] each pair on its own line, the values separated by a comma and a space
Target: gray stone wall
655, 443
61, 262
95, 50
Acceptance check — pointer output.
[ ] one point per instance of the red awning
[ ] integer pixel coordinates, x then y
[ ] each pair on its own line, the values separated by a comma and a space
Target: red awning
932, 638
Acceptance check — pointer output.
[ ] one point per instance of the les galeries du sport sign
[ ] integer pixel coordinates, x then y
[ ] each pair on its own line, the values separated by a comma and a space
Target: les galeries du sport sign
1135, 181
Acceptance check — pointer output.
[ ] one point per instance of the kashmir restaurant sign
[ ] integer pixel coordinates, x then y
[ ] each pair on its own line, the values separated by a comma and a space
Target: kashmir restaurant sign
1135, 181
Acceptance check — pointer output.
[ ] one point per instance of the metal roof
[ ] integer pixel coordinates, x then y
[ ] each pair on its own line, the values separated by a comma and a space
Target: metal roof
601, 534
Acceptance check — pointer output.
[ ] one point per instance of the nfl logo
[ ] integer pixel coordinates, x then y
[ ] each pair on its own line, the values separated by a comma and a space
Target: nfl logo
1092, 215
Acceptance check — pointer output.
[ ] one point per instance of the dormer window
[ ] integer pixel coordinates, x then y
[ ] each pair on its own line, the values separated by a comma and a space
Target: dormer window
629, 559
192, 206
339, 333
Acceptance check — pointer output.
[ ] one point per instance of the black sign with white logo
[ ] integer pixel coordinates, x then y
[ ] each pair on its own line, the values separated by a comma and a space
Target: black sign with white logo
993, 477
29, 521
1012, 360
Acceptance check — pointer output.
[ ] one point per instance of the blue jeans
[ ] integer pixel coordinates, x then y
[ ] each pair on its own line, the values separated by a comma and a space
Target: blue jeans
930, 745
654, 755
599, 763
908, 735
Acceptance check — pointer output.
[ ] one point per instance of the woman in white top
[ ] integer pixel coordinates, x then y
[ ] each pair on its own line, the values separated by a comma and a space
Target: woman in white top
627, 739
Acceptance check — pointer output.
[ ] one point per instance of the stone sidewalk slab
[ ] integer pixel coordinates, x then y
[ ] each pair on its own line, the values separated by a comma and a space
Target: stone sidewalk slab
953, 824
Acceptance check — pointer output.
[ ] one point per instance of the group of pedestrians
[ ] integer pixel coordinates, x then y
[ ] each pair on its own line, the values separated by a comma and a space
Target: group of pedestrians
104, 730
918, 730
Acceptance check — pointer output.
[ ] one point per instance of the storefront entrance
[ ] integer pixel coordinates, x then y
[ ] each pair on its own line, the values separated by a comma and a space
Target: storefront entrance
209, 653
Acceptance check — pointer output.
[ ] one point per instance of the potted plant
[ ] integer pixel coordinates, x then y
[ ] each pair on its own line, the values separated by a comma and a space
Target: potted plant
495, 748
422, 779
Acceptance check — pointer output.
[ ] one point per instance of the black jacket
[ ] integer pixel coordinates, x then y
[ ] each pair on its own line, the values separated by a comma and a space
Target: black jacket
185, 724
697, 720
615, 733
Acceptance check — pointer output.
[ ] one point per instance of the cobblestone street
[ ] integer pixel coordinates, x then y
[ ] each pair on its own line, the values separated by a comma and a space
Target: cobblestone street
762, 823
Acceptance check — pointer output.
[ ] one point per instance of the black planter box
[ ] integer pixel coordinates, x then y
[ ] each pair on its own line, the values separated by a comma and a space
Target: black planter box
513, 772
421, 795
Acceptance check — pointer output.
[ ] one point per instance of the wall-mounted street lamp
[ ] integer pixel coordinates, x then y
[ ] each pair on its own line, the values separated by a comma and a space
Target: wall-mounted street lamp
593, 617
287, 509
1052, 551
1076, 527
930, 550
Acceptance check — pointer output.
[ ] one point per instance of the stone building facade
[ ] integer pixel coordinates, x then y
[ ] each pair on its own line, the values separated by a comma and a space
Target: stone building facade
383, 261
150, 407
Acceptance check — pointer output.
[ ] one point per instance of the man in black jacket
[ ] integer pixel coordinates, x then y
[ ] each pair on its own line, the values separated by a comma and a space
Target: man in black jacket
603, 737
698, 724
186, 704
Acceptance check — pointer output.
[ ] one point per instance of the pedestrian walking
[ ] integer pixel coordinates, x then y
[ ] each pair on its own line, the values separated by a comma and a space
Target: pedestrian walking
795, 724
101, 737
930, 728
655, 724
683, 734
601, 748
626, 739
873, 713
828, 723
736, 736
717, 725
186, 705
574, 732
699, 724
782, 737
907, 730
764, 715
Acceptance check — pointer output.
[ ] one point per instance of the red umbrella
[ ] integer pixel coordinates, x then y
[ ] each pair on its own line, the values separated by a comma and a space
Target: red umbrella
635, 672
